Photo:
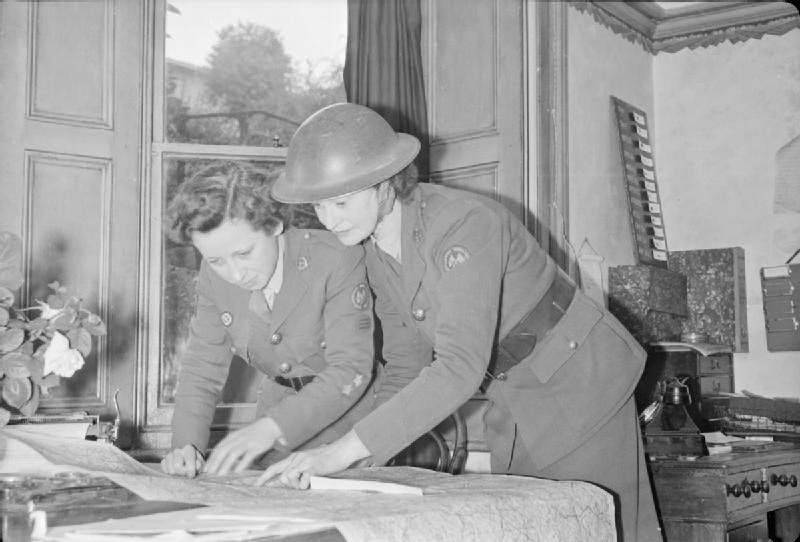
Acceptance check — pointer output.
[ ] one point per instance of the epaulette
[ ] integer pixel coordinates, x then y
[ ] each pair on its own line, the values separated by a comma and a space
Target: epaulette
439, 202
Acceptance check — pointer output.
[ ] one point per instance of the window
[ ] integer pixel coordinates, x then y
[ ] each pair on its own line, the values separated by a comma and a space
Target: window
233, 80
249, 72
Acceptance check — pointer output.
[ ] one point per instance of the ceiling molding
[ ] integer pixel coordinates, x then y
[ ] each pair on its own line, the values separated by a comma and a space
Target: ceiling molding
702, 24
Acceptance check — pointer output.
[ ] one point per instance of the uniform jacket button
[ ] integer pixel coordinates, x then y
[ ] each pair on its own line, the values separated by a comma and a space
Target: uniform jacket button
323, 344
233, 349
419, 314
573, 345
501, 376
285, 367
276, 338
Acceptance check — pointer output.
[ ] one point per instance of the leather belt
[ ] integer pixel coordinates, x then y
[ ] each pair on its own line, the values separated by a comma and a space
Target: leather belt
521, 340
294, 382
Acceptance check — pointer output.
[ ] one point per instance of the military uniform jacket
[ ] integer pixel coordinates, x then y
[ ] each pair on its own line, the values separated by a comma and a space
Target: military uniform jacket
470, 272
320, 324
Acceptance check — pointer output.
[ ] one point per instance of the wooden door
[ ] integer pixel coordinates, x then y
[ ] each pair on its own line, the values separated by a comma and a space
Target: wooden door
474, 64
70, 75
474, 69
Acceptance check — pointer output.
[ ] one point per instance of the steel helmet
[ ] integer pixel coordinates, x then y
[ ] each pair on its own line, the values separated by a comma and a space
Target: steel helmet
339, 150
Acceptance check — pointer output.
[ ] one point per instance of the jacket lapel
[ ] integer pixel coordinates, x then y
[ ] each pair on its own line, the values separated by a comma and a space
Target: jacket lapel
295, 284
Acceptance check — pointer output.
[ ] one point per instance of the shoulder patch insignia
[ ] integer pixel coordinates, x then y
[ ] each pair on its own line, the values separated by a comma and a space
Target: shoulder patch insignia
226, 318
360, 296
455, 255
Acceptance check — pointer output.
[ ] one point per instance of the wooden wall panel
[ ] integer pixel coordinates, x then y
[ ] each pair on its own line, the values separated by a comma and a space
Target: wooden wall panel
68, 199
464, 70
70, 62
481, 179
473, 60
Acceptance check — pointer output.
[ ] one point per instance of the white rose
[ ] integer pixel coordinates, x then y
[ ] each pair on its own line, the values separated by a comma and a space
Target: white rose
60, 359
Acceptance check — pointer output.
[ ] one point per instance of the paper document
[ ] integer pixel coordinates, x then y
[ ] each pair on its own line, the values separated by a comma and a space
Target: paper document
373, 486
705, 349
23, 447
71, 430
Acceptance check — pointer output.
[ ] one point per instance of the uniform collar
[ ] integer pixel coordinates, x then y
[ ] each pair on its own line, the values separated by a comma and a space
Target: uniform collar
276, 280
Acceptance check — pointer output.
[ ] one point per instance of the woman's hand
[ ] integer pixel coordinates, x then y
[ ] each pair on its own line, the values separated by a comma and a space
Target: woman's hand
186, 461
296, 470
239, 449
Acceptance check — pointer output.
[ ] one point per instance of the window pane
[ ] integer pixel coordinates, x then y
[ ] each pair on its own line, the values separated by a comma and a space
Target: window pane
244, 72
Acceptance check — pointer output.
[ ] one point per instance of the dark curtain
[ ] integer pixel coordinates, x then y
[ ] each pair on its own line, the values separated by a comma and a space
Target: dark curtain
383, 65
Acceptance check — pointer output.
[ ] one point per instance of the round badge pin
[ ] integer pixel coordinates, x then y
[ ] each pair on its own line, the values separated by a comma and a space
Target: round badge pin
226, 318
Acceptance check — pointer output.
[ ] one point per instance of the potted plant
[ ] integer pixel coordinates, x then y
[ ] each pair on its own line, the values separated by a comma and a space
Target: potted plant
39, 344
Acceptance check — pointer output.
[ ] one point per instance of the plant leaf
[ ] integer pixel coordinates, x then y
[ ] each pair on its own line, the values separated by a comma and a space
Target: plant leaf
65, 320
95, 327
81, 340
6, 297
16, 365
10, 260
56, 301
38, 323
50, 381
29, 408
16, 391
36, 367
10, 339
16, 323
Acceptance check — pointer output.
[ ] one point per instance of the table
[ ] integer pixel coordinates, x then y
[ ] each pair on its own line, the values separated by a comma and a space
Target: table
465, 507
449, 507
730, 497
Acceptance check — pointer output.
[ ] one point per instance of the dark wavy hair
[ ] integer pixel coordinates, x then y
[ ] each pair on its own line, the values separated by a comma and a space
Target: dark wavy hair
230, 190
405, 182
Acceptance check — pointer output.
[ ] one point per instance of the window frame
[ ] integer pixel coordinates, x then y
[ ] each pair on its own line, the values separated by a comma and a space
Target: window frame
154, 417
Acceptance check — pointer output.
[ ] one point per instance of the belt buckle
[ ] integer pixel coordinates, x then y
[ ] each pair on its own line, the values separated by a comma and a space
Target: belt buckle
499, 376
488, 378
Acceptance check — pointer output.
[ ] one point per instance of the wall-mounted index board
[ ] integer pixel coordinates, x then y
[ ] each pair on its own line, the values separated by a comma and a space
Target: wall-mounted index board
639, 173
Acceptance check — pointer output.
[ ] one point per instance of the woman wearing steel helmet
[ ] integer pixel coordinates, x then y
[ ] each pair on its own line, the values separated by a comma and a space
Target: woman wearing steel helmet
468, 300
